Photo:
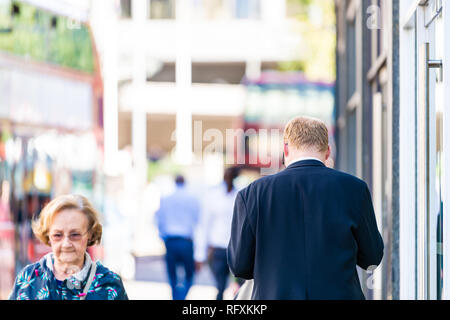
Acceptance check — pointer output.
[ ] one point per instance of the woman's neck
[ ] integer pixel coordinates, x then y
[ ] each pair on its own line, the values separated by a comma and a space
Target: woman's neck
64, 270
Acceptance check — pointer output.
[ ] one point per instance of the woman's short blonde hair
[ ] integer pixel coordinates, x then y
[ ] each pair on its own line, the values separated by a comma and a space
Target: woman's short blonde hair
41, 225
306, 133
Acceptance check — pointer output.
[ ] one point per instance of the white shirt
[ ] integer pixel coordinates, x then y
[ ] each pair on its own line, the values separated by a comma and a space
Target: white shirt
214, 228
178, 214
304, 158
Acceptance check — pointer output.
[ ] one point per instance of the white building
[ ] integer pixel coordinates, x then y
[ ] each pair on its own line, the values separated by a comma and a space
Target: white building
173, 62
394, 130
168, 63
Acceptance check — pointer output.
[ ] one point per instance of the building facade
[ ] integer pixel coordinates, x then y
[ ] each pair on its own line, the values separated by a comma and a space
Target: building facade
367, 121
392, 128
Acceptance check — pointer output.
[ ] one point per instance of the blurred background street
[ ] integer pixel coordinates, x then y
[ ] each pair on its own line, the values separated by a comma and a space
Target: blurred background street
112, 99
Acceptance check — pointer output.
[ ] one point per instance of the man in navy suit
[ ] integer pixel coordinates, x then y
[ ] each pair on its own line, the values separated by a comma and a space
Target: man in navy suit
301, 233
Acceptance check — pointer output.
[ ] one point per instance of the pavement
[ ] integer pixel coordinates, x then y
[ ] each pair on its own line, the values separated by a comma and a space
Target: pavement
150, 282
153, 268
146, 290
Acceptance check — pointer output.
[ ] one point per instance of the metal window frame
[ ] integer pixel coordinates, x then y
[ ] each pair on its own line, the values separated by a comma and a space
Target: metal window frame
417, 19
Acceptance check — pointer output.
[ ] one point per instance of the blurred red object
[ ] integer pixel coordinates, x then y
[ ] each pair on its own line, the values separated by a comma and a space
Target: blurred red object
36, 250
7, 261
96, 252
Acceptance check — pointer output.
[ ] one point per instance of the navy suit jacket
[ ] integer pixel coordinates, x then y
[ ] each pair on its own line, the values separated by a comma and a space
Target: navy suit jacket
301, 232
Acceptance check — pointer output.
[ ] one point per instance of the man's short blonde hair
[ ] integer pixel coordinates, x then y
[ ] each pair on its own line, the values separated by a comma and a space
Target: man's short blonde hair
305, 133
41, 225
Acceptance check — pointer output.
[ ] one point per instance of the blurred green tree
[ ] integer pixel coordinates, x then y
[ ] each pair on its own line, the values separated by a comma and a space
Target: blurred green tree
39, 35
318, 32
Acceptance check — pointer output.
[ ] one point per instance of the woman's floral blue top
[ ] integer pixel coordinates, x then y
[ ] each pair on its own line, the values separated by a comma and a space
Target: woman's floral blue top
37, 282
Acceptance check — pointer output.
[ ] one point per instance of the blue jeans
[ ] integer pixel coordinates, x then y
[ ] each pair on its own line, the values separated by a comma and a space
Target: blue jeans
220, 270
180, 251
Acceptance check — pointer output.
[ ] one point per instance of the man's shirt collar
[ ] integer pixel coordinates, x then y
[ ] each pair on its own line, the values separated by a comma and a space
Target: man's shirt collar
304, 158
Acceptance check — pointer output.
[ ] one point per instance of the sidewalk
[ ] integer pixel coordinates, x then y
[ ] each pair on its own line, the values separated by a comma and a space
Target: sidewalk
146, 290
151, 283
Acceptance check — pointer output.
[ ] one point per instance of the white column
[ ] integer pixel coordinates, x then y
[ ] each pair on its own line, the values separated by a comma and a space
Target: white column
139, 116
104, 22
183, 83
407, 158
273, 10
377, 184
253, 68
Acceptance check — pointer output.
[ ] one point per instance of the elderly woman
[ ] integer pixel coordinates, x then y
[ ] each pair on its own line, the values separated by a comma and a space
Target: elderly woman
69, 225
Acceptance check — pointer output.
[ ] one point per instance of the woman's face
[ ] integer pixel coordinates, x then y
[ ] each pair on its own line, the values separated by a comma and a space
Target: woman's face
69, 236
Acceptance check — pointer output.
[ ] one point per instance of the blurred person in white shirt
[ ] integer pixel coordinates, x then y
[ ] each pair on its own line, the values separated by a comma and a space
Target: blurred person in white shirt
213, 233
177, 218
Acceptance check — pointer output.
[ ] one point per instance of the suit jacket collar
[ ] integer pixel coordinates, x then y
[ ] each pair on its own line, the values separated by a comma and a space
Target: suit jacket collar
306, 163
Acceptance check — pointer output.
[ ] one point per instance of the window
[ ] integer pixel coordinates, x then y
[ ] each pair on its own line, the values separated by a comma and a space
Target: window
125, 8
439, 166
440, 202
230, 9
162, 9
351, 142
247, 9
215, 9
351, 58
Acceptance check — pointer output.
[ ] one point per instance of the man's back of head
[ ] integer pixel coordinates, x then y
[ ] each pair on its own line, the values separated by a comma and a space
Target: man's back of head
305, 137
179, 180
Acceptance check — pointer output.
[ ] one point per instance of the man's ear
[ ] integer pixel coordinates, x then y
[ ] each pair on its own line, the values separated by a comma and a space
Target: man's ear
328, 153
286, 150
